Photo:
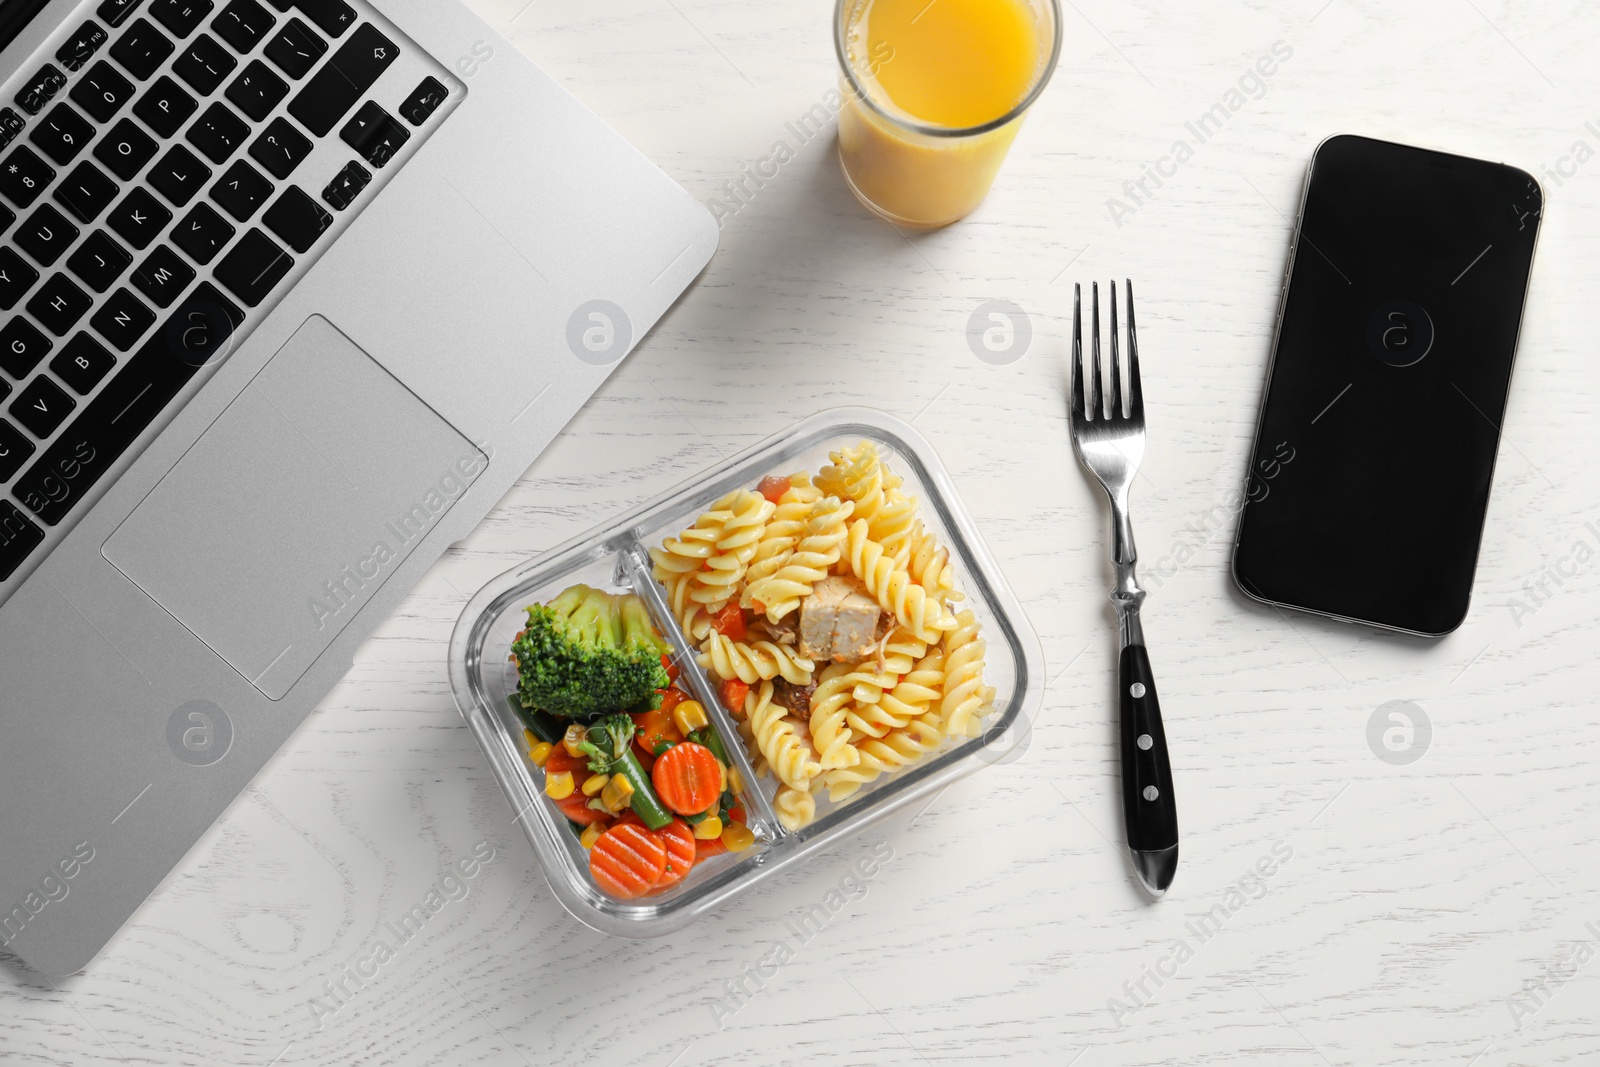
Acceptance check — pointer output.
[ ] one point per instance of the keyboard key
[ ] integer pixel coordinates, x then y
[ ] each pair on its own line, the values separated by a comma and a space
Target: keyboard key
256, 91
253, 268
24, 176
7, 217
126, 149
243, 23
241, 191
142, 49
82, 364
102, 91
115, 12
22, 346
333, 17
279, 149
297, 219
11, 124
347, 185
180, 17
343, 80
99, 261
42, 406
41, 88
165, 107
196, 332
218, 133
5, 388
14, 452
163, 276
86, 192
62, 134
204, 64
202, 233
375, 134
139, 219
18, 536
424, 101
179, 175
122, 320
81, 46
16, 278
59, 304
46, 235
296, 49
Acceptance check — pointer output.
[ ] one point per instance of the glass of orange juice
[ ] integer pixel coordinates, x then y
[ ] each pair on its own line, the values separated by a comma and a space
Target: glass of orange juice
934, 93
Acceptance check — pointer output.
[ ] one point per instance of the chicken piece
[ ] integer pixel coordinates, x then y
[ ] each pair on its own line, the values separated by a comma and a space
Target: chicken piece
838, 622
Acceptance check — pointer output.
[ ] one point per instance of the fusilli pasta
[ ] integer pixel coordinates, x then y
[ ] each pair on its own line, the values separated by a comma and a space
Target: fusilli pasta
820, 548
788, 751
756, 662
893, 587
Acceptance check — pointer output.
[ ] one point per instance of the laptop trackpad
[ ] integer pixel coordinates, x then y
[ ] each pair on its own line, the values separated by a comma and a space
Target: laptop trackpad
295, 507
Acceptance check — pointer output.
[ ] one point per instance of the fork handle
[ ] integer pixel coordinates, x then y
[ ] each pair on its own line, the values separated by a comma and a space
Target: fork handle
1149, 806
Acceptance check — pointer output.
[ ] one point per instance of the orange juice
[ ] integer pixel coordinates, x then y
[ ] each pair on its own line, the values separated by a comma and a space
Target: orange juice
934, 94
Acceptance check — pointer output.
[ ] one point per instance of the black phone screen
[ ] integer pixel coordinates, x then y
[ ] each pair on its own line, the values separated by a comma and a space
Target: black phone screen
1369, 479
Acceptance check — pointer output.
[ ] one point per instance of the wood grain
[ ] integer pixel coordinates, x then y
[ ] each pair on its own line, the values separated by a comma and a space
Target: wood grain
1417, 900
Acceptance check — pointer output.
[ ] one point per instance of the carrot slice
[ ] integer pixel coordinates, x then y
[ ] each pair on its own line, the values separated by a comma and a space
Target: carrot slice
687, 778
627, 860
681, 853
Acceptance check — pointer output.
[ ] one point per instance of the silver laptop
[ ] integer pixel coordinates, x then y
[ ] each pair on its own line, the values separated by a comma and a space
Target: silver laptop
293, 291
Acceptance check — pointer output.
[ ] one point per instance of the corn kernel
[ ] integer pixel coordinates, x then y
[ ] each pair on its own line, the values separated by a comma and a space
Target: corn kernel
591, 834
689, 716
737, 837
594, 783
708, 829
574, 737
617, 793
558, 786
540, 753
722, 778
530, 737
735, 780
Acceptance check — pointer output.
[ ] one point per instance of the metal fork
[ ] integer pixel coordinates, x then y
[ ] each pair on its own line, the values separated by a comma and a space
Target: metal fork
1109, 441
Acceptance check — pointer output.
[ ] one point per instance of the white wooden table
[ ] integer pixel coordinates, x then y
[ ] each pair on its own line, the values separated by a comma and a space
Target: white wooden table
1420, 902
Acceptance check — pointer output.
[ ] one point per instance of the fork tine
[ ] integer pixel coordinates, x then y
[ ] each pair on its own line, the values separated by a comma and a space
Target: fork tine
1116, 363
1096, 411
1135, 390
1077, 352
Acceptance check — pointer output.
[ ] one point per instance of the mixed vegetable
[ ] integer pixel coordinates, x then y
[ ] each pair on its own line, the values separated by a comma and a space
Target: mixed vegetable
629, 759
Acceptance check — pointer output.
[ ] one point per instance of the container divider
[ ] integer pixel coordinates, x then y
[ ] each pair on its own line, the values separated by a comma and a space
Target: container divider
636, 563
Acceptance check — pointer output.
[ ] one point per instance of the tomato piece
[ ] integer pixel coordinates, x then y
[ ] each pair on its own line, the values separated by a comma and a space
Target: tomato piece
670, 667
730, 622
704, 850
773, 487
627, 861
733, 693
687, 778
681, 853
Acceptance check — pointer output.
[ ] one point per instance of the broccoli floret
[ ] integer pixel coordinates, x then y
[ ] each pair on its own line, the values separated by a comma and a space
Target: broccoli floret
590, 653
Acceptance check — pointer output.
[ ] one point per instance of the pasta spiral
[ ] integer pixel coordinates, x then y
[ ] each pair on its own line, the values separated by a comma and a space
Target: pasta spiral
820, 548
738, 537
896, 593
830, 704
882, 755
929, 564
795, 807
859, 475
788, 753
756, 662
783, 532
964, 692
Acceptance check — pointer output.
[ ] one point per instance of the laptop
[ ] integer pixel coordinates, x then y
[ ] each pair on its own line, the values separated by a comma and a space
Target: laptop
292, 292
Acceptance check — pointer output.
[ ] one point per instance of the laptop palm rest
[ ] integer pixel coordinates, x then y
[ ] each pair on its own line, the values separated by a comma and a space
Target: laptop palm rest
294, 507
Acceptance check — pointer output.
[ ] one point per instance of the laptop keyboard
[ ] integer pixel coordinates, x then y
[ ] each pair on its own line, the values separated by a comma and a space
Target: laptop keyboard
155, 192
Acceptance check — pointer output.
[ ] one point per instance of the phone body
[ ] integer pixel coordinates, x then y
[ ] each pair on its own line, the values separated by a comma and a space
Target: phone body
1375, 449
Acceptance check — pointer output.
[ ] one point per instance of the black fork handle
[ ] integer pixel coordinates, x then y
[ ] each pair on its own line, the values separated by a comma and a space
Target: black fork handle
1150, 808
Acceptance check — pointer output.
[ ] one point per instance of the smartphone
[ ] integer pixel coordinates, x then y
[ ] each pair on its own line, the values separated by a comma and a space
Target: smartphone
1369, 478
